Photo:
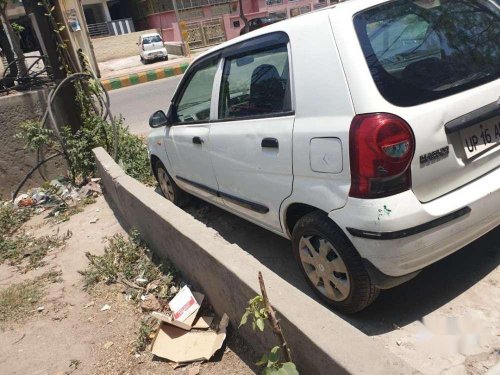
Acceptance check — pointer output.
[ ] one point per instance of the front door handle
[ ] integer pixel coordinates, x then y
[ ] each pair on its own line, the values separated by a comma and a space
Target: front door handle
197, 140
270, 143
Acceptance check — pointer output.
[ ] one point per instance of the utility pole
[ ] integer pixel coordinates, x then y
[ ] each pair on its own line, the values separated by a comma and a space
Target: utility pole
243, 17
182, 28
66, 104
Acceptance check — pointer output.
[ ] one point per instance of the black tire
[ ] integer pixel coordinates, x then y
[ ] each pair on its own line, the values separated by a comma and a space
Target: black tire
176, 195
165, 58
314, 227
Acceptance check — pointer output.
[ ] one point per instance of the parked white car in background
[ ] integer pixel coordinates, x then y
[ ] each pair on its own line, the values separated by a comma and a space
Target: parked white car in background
151, 48
367, 133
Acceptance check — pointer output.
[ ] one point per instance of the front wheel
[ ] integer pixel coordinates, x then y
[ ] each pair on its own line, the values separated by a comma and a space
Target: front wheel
168, 186
331, 265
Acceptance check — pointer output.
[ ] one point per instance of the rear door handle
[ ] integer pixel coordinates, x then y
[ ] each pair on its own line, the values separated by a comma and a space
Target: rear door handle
270, 143
197, 140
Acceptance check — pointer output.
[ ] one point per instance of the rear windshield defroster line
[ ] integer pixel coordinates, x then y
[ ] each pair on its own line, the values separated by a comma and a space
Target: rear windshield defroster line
419, 50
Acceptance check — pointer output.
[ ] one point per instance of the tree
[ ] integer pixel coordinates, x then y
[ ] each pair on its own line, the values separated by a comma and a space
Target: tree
242, 16
12, 37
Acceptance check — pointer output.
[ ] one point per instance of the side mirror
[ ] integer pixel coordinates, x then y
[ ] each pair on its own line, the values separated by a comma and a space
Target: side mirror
158, 119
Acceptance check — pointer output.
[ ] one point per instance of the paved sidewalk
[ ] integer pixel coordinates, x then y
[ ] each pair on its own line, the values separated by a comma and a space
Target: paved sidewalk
130, 71
129, 65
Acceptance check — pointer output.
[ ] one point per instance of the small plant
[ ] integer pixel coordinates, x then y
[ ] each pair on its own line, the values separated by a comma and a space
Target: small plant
260, 311
11, 219
273, 365
147, 332
126, 260
257, 311
73, 366
17, 27
35, 136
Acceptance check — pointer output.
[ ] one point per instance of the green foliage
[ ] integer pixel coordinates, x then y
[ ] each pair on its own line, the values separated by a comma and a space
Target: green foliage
128, 259
16, 27
35, 136
133, 157
273, 366
147, 331
23, 247
132, 153
257, 311
271, 362
12, 218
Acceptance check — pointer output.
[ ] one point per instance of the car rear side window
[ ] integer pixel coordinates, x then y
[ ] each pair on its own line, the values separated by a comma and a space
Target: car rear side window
256, 84
423, 50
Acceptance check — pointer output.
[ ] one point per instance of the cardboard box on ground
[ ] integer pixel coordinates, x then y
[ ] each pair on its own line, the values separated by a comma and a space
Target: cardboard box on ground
183, 336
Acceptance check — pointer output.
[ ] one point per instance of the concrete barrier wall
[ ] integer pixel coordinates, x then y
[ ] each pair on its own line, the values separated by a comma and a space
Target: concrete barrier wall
321, 342
115, 47
174, 48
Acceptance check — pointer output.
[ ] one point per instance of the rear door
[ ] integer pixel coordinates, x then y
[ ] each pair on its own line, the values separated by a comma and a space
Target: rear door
187, 140
437, 65
251, 137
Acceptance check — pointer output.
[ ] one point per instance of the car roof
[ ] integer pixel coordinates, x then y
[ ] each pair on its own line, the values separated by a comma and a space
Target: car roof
150, 34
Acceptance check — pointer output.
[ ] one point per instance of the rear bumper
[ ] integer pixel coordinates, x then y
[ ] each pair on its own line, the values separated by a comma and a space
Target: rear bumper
399, 235
155, 54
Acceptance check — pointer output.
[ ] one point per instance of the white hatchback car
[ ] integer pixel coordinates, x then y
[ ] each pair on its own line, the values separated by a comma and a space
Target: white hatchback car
367, 133
151, 48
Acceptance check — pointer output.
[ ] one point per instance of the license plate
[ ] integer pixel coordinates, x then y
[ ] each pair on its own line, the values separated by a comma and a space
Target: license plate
480, 137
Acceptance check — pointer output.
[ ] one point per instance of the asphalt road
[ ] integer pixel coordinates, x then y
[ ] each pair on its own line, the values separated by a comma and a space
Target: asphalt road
137, 103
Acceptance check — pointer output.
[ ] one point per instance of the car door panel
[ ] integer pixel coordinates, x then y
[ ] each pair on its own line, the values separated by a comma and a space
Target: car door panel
251, 137
187, 140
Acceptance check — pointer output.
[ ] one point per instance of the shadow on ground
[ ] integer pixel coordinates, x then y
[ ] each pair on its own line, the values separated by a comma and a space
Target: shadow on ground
432, 288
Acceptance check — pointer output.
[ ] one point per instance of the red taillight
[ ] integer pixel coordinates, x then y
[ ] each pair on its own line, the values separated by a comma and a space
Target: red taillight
381, 148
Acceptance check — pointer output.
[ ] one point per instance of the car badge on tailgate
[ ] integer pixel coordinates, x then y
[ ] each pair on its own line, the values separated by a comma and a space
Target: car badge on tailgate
434, 156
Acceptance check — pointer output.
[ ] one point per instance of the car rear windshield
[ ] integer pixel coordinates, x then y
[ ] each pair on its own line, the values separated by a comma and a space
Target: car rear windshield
151, 39
423, 50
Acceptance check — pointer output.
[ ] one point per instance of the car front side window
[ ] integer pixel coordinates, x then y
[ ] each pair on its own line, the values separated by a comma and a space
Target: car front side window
194, 102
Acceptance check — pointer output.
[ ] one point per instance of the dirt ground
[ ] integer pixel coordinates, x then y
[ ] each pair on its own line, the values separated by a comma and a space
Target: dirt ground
71, 335
445, 321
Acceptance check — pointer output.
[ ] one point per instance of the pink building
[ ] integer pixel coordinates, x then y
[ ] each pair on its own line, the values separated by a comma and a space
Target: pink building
209, 22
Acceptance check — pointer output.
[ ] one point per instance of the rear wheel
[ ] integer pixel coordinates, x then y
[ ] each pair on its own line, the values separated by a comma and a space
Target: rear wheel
331, 265
169, 188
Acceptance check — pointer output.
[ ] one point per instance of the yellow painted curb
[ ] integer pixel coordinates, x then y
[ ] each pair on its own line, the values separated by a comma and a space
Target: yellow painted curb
107, 85
143, 78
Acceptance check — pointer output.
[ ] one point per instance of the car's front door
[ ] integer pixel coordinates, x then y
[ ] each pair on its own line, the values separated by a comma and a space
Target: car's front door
187, 140
251, 139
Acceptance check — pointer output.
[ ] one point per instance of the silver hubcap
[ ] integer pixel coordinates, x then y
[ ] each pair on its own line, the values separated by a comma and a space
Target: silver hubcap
324, 267
166, 185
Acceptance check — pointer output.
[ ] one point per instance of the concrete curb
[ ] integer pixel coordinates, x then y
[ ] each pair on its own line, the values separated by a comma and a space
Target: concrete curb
143, 77
322, 342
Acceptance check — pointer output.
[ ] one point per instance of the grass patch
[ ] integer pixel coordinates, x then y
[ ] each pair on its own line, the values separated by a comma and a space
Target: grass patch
11, 219
19, 300
23, 246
